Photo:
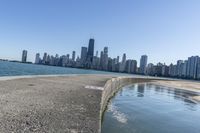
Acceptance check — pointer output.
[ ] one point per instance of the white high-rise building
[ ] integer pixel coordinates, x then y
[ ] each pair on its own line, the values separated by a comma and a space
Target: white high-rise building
123, 64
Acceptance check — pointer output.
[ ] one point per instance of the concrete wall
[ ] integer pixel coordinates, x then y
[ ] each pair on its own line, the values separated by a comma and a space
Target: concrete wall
112, 86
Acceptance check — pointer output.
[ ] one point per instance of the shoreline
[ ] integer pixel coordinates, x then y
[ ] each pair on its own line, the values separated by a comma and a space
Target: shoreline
166, 82
182, 85
80, 97
4, 78
103, 72
179, 84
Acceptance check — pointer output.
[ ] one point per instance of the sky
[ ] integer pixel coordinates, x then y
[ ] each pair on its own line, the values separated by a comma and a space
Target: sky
165, 30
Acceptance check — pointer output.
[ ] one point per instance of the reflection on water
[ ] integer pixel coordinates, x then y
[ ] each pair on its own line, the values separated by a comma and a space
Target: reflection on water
148, 108
140, 90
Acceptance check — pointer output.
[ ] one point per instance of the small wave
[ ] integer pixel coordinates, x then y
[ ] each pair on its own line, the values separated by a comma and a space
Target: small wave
119, 116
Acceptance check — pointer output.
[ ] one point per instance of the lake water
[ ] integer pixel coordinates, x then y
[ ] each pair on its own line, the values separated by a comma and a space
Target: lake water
17, 69
148, 108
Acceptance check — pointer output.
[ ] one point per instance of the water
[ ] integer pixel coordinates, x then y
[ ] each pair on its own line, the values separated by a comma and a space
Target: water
148, 108
17, 69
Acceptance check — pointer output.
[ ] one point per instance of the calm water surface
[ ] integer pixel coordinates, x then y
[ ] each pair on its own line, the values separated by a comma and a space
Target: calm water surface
17, 69
148, 108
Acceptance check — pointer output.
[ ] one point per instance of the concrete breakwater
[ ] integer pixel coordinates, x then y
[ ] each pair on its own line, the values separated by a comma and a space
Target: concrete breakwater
113, 85
51, 104
69, 104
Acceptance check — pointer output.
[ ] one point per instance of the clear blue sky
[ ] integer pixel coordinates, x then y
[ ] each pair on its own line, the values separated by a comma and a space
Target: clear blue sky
165, 30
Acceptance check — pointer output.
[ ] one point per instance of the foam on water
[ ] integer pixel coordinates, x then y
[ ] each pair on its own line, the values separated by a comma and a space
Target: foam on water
119, 116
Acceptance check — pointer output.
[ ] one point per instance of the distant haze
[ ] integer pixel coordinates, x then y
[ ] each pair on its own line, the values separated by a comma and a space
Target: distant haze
165, 30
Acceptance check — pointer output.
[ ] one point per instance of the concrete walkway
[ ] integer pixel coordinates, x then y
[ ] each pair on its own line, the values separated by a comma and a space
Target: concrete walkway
64, 104
51, 104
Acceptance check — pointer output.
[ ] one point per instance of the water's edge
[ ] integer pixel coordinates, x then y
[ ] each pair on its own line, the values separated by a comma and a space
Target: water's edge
112, 86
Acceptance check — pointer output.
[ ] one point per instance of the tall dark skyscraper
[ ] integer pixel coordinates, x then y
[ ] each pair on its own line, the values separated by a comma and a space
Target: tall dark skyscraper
45, 58
73, 56
101, 60
83, 54
24, 56
124, 58
105, 58
117, 59
90, 53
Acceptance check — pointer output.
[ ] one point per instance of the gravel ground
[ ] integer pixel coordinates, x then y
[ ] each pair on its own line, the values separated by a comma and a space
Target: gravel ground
51, 104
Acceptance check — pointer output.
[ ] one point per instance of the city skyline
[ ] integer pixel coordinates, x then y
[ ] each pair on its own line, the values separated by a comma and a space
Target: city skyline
187, 69
93, 53
78, 53
164, 30
89, 59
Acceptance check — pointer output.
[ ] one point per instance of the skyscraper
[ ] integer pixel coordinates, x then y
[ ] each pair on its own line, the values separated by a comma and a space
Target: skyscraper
143, 64
73, 55
83, 54
90, 52
198, 69
179, 68
37, 58
117, 59
128, 66
97, 53
192, 67
131, 66
123, 63
165, 70
184, 69
150, 69
124, 58
105, 58
101, 60
68, 56
24, 56
44, 58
